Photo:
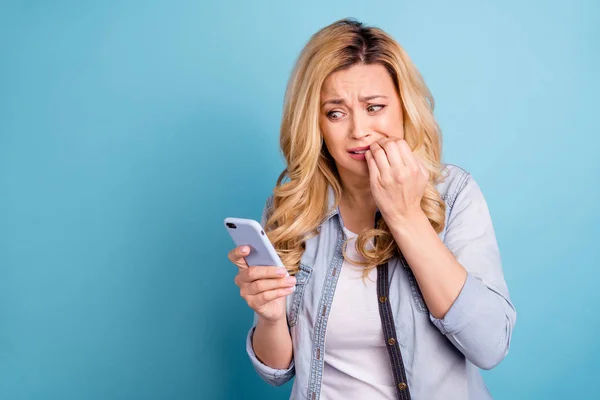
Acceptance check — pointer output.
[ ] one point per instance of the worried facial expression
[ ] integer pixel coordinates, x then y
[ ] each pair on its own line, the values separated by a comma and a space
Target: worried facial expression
359, 106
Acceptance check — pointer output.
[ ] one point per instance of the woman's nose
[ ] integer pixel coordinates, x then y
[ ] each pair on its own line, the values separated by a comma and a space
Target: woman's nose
359, 127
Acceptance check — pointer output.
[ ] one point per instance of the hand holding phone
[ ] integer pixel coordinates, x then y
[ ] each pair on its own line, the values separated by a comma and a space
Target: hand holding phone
263, 280
248, 232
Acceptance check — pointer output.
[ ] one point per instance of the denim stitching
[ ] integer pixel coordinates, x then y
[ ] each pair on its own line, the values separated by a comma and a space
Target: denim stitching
459, 186
302, 277
316, 374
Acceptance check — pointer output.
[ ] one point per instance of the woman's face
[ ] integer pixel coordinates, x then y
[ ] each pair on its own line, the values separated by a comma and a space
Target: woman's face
359, 106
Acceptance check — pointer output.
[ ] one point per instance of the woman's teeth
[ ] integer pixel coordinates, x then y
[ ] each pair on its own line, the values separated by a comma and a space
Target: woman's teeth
359, 152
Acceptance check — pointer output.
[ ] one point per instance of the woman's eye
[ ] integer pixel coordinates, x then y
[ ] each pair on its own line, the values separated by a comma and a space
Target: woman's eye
375, 108
334, 114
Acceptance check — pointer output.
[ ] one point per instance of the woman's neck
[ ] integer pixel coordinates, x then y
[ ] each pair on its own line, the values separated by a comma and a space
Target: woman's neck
357, 205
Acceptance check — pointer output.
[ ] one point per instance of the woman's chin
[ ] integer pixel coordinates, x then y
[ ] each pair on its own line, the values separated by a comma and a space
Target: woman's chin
354, 171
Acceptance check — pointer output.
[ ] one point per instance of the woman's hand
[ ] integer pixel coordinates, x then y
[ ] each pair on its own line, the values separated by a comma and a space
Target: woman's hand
263, 288
397, 178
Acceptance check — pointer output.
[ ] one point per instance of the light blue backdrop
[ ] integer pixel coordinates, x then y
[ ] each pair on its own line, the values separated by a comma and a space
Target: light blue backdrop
129, 130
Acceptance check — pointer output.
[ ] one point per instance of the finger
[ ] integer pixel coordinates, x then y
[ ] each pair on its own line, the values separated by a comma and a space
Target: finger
392, 151
265, 297
409, 158
372, 165
255, 273
381, 160
265, 285
237, 255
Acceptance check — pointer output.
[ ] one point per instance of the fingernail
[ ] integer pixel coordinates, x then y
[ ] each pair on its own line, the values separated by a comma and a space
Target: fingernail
291, 279
244, 249
282, 271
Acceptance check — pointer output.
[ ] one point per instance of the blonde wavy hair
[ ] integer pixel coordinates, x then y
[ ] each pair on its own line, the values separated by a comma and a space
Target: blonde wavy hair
299, 203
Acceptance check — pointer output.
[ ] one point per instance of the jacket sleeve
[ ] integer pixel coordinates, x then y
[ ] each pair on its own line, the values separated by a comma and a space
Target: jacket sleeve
275, 377
481, 319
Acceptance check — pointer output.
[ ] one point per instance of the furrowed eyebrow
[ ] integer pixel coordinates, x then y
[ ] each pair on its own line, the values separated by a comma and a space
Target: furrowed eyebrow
332, 101
369, 98
365, 99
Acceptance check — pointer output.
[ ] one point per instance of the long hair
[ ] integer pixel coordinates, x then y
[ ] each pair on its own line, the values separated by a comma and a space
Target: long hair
300, 197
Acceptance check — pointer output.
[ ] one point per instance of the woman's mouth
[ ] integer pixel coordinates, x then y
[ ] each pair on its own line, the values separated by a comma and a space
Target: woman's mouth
358, 153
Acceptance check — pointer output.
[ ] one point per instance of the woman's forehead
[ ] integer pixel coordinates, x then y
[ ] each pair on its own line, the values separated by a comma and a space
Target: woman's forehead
360, 80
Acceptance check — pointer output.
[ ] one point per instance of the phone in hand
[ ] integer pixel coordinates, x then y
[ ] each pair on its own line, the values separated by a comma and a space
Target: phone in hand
248, 232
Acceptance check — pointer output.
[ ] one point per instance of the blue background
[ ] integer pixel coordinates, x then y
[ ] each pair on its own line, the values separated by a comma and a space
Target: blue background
129, 130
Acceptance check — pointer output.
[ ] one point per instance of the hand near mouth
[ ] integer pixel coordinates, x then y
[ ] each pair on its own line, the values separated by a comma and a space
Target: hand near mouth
397, 177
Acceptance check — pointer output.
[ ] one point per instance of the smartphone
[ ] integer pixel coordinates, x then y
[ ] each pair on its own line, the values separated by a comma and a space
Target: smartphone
248, 232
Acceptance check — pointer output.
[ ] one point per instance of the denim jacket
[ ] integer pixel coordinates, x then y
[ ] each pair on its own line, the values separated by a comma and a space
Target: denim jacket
441, 356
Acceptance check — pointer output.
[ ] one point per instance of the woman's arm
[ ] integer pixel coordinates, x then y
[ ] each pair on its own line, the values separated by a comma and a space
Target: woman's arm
275, 369
269, 344
440, 276
272, 343
462, 280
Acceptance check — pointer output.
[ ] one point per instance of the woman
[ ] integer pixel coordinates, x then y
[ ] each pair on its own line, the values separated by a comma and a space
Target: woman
396, 286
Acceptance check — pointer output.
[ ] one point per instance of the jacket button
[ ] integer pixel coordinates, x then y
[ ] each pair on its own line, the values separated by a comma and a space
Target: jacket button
402, 386
382, 299
391, 341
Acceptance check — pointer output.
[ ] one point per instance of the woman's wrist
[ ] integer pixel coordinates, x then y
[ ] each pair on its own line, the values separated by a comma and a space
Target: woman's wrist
272, 323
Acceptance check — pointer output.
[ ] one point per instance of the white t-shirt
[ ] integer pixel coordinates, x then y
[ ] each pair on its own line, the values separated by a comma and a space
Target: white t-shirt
357, 364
